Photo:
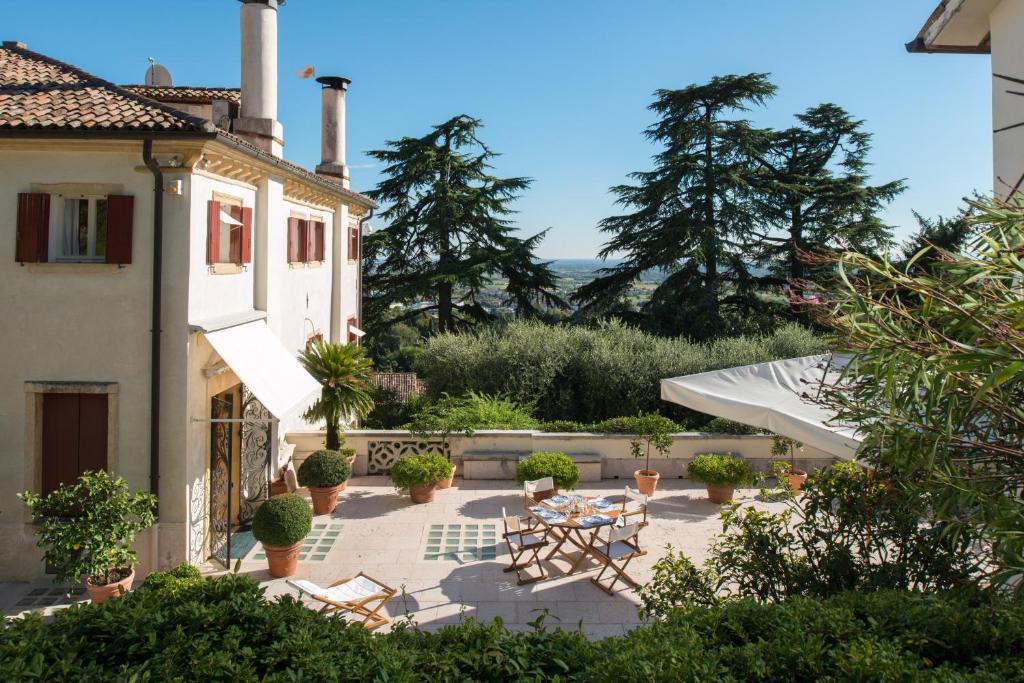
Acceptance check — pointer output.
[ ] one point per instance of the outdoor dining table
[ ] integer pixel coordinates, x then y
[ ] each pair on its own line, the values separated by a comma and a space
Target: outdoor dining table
570, 527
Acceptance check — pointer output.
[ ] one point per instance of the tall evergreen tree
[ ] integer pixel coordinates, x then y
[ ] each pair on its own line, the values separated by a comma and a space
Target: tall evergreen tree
812, 195
448, 234
690, 214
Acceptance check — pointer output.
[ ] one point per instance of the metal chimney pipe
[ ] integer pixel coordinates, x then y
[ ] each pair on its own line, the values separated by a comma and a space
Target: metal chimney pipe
332, 133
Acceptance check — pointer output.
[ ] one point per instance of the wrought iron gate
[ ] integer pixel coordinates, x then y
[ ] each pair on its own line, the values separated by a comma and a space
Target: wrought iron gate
254, 470
221, 441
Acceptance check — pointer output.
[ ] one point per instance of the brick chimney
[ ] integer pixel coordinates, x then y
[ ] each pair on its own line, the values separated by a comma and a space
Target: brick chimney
257, 121
332, 133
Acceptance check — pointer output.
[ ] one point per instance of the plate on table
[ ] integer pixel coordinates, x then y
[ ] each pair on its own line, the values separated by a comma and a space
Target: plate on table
593, 520
556, 501
600, 504
547, 514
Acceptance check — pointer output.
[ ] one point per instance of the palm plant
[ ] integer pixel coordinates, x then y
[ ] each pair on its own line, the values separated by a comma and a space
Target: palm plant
345, 375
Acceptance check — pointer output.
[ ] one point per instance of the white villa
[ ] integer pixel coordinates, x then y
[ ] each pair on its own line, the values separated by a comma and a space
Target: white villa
162, 266
995, 27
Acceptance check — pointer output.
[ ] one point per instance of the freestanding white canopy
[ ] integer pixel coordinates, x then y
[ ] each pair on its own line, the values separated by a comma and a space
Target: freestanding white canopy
778, 396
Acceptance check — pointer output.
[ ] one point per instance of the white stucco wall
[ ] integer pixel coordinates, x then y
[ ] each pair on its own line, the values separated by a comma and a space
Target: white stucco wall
1007, 25
70, 322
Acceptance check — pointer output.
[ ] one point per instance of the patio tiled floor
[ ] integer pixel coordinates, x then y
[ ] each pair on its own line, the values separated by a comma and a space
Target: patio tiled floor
446, 557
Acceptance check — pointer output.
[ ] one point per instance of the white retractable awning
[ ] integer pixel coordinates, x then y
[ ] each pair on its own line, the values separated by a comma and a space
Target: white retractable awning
353, 330
778, 396
228, 219
266, 367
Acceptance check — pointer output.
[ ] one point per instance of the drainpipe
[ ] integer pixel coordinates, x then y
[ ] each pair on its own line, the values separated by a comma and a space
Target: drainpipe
154, 382
359, 264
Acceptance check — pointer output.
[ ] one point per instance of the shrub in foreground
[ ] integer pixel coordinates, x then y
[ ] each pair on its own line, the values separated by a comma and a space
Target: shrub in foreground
225, 629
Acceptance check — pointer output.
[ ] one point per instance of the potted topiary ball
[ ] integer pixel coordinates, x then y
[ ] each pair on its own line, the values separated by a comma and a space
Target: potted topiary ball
419, 474
87, 529
555, 464
721, 473
326, 474
281, 524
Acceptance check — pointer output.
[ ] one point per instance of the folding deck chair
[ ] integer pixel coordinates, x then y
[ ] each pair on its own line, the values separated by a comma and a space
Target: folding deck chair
530, 488
522, 540
615, 553
361, 595
634, 504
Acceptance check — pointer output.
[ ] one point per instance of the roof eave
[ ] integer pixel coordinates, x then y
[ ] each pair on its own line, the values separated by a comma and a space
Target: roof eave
941, 16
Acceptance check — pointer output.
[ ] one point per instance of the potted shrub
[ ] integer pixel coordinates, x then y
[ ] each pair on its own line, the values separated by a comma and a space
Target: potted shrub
783, 445
346, 378
721, 473
439, 421
326, 474
87, 529
419, 474
650, 429
559, 466
280, 524
348, 453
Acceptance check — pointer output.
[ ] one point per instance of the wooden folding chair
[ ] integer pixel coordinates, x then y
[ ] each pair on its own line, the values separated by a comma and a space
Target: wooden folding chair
634, 504
523, 540
362, 595
530, 488
615, 553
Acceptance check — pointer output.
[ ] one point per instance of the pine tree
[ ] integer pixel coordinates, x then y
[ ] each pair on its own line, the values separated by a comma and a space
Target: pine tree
448, 234
690, 214
812, 195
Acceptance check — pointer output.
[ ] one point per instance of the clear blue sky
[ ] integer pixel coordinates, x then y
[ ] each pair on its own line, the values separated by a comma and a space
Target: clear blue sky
562, 86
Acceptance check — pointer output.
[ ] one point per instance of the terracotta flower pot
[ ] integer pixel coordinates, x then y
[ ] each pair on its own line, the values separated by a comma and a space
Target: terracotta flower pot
447, 482
350, 459
796, 478
720, 494
422, 494
278, 487
325, 499
100, 594
282, 561
646, 481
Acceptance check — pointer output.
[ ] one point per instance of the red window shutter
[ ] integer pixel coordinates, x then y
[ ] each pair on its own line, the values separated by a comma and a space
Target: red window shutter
320, 239
349, 324
60, 440
213, 232
293, 240
92, 432
310, 241
120, 215
303, 241
246, 234
33, 239
353, 244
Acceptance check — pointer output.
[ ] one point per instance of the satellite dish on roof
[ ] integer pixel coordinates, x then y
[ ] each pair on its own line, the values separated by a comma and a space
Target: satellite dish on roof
158, 74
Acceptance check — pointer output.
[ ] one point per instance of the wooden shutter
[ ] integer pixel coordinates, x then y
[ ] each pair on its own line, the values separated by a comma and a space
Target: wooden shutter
293, 240
246, 234
353, 244
213, 232
349, 324
311, 250
303, 241
33, 238
120, 215
318, 231
74, 437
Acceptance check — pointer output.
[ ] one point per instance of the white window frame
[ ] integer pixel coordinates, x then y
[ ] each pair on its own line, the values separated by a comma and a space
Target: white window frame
57, 217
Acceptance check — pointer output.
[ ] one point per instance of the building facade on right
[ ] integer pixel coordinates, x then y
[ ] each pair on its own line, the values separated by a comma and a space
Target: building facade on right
994, 27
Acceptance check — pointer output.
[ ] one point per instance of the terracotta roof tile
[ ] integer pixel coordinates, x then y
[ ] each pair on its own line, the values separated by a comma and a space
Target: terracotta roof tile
186, 93
38, 92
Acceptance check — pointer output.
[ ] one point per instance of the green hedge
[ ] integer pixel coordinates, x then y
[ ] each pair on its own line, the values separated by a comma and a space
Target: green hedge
226, 630
588, 374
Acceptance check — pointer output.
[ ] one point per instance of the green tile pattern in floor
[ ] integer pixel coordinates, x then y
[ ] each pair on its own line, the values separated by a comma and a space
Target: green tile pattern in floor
461, 542
316, 545
38, 598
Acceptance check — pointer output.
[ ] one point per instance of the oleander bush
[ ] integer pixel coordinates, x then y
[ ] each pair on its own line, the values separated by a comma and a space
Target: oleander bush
324, 469
419, 470
554, 464
225, 629
282, 520
719, 469
589, 374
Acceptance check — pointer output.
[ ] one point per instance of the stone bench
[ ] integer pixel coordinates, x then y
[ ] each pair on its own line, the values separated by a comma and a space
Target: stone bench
502, 464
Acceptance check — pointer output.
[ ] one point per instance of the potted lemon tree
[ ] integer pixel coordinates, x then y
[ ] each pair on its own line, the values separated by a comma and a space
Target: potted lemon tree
649, 429
419, 475
280, 524
87, 529
788, 471
326, 474
721, 473
560, 467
